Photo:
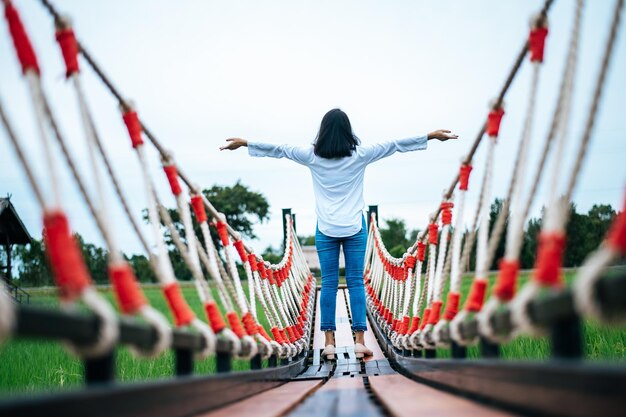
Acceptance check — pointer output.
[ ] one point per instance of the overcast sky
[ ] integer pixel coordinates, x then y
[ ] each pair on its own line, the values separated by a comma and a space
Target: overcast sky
202, 71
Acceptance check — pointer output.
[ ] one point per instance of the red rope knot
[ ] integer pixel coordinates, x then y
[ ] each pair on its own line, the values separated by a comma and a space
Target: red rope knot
550, 259
537, 40
241, 250
452, 306
507, 279
262, 271
263, 333
446, 212
404, 326
131, 120
410, 261
616, 237
198, 208
415, 324
214, 316
270, 276
493, 121
252, 262
178, 306
426, 319
435, 312
464, 174
421, 251
69, 48
129, 296
172, 177
66, 261
250, 324
235, 324
278, 336
222, 232
476, 296
433, 230
21, 42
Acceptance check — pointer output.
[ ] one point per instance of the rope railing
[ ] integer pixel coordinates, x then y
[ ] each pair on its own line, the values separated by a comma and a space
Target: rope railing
543, 306
284, 290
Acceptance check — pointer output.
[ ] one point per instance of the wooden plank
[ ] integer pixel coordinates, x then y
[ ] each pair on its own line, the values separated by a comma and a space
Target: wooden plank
345, 397
372, 343
406, 398
343, 335
272, 403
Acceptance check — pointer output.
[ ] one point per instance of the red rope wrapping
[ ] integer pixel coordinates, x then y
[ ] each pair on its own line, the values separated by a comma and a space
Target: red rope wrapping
421, 251
410, 261
241, 250
198, 208
250, 324
263, 333
452, 306
23, 47
172, 177
550, 259
476, 296
435, 312
446, 212
128, 292
415, 324
66, 261
270, 276
426, 318
493, 121
616, 237
278, 336
214, 316
432, 233
507, 279
262, 270
404, 327
536, 43
291, 333
131, 120
235, 324
222, 232
69, 49
178, 306
252, 262
464, 174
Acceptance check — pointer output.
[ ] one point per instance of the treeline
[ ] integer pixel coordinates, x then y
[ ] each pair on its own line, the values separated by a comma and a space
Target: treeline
585, 232
242, 207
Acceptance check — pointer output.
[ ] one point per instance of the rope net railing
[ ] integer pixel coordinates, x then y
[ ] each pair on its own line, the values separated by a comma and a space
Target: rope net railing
406, 295
231, 326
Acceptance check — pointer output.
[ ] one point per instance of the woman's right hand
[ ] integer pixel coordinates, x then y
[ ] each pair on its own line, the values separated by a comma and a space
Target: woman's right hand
234, 143
442, 135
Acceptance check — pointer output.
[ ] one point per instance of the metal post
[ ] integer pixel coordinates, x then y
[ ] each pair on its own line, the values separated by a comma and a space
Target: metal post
223, 361
272, 362
286, 211
488, 349
100, 370
457, 351
430, 353
184, 362
566, 338
370, 210
256, 362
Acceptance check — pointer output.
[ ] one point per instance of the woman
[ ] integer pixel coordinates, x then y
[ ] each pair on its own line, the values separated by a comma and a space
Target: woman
337, 161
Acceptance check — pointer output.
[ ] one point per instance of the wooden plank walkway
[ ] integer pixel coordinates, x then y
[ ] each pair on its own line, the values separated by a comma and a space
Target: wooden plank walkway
272, 403
403, 397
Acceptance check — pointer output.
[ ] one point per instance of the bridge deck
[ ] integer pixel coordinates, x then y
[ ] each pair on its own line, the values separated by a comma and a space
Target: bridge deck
350, 387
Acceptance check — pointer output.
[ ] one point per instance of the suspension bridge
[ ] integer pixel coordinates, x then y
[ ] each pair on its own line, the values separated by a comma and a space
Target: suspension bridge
414, 302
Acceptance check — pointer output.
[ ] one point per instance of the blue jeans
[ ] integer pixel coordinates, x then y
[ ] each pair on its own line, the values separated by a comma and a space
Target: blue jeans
354, 253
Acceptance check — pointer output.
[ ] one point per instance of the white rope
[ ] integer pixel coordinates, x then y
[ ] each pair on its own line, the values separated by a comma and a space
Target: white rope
7, 314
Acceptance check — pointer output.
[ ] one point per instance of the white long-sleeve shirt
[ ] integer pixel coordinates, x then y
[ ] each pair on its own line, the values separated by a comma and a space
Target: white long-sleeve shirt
338, 183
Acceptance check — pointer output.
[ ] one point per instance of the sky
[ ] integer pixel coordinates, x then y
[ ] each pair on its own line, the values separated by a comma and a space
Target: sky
202, 71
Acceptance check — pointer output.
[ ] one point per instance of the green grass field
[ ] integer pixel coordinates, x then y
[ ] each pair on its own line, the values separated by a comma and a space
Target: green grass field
34, 365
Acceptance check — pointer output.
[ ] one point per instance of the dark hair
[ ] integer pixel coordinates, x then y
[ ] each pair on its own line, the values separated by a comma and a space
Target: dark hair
335, 138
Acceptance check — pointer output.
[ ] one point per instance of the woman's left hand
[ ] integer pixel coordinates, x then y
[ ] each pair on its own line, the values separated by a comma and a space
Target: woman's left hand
442, 135
234, 143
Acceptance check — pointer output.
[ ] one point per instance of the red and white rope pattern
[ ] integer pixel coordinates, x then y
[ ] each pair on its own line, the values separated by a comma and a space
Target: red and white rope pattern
284, 290
386, 281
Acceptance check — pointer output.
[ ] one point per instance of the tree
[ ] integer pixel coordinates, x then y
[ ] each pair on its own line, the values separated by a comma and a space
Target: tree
394, 236
307, 240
